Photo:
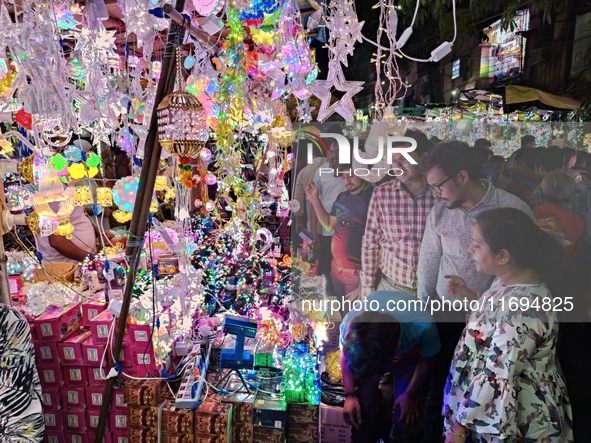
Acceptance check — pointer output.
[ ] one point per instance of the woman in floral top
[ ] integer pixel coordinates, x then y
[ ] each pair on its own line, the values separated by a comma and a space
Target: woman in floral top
505, 383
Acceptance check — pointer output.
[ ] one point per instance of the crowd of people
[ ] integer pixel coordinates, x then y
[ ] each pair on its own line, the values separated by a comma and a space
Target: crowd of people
460, 223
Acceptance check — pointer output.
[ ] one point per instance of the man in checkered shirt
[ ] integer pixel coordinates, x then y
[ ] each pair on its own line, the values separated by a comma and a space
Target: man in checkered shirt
397, 219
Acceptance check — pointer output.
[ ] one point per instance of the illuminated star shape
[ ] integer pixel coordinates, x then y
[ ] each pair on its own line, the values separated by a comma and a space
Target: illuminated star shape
305, 111
321, 89
271, 19
105, 40
100, 133
345, 106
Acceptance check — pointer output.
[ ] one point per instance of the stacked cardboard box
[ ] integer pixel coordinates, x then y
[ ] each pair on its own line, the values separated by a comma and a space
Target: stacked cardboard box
72, 382
213, 422
242, 416
302, 423
143, 399
176, 425
269, 418
333, 428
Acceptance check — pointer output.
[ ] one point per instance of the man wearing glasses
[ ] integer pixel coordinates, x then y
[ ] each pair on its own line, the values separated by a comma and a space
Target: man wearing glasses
454, 179
395, 224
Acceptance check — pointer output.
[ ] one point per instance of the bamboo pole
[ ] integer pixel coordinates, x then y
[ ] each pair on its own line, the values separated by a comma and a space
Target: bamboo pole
141, 208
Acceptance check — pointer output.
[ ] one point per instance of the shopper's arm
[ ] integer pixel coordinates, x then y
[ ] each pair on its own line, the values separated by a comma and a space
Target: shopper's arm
429, 261
352, 407
67, 247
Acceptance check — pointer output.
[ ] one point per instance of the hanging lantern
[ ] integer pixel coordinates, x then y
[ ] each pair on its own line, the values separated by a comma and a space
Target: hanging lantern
104, 197
82, 196
182, 128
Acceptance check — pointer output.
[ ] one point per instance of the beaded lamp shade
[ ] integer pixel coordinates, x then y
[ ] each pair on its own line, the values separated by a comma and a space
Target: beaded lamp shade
182, 128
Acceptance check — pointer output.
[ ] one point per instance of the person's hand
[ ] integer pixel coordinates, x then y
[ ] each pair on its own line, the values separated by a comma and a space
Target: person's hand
311, 190
408, 407
352, 412
450, 438
457, 286
458, 435
354, 295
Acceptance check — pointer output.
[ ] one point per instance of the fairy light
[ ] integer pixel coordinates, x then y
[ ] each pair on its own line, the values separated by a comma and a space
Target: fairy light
104, 197
82, 196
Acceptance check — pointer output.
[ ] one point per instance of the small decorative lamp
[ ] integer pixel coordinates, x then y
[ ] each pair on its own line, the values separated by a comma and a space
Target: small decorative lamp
182, 128
104, 197
82, 196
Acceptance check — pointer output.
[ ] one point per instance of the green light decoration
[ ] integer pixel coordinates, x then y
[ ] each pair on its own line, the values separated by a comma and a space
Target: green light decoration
58, 162
302, 380
233, 190
93, 160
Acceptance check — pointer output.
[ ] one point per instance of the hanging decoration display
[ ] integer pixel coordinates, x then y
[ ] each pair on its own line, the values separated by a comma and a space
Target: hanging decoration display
181, 121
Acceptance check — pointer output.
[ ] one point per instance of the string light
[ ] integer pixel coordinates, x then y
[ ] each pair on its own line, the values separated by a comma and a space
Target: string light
82, 196
104, 197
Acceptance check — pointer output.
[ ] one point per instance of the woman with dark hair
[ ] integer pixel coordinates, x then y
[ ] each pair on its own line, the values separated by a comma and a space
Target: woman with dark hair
505, 383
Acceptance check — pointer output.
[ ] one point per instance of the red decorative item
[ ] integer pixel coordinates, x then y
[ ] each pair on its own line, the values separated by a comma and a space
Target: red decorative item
24, 119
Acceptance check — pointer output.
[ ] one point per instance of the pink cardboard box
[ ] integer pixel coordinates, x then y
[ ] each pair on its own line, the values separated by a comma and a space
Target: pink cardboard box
120, 437
92, 419
94, 397
100, 326
74, 420
92, 308
70, 350
46, 352
144, 358
50, 375
75, 376
76, 437
118, 401
94, 376
92, 353
74, 397
51, 399
54, 420
53, 436
118, 421
58, 323
139, 335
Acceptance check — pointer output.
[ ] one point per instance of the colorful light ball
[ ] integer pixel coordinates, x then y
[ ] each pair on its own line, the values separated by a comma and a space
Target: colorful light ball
205, 154
125, 191
210, 179
189, 62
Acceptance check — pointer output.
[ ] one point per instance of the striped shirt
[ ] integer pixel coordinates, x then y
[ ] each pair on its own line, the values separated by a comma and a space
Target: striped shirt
393, 234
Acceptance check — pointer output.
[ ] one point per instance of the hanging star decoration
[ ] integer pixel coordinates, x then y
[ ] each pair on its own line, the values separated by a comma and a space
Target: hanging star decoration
322, 90
305, 111
344, 30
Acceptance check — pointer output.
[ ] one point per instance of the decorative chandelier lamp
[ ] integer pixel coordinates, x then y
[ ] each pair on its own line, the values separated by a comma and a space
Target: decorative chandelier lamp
182, 127
183, 132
